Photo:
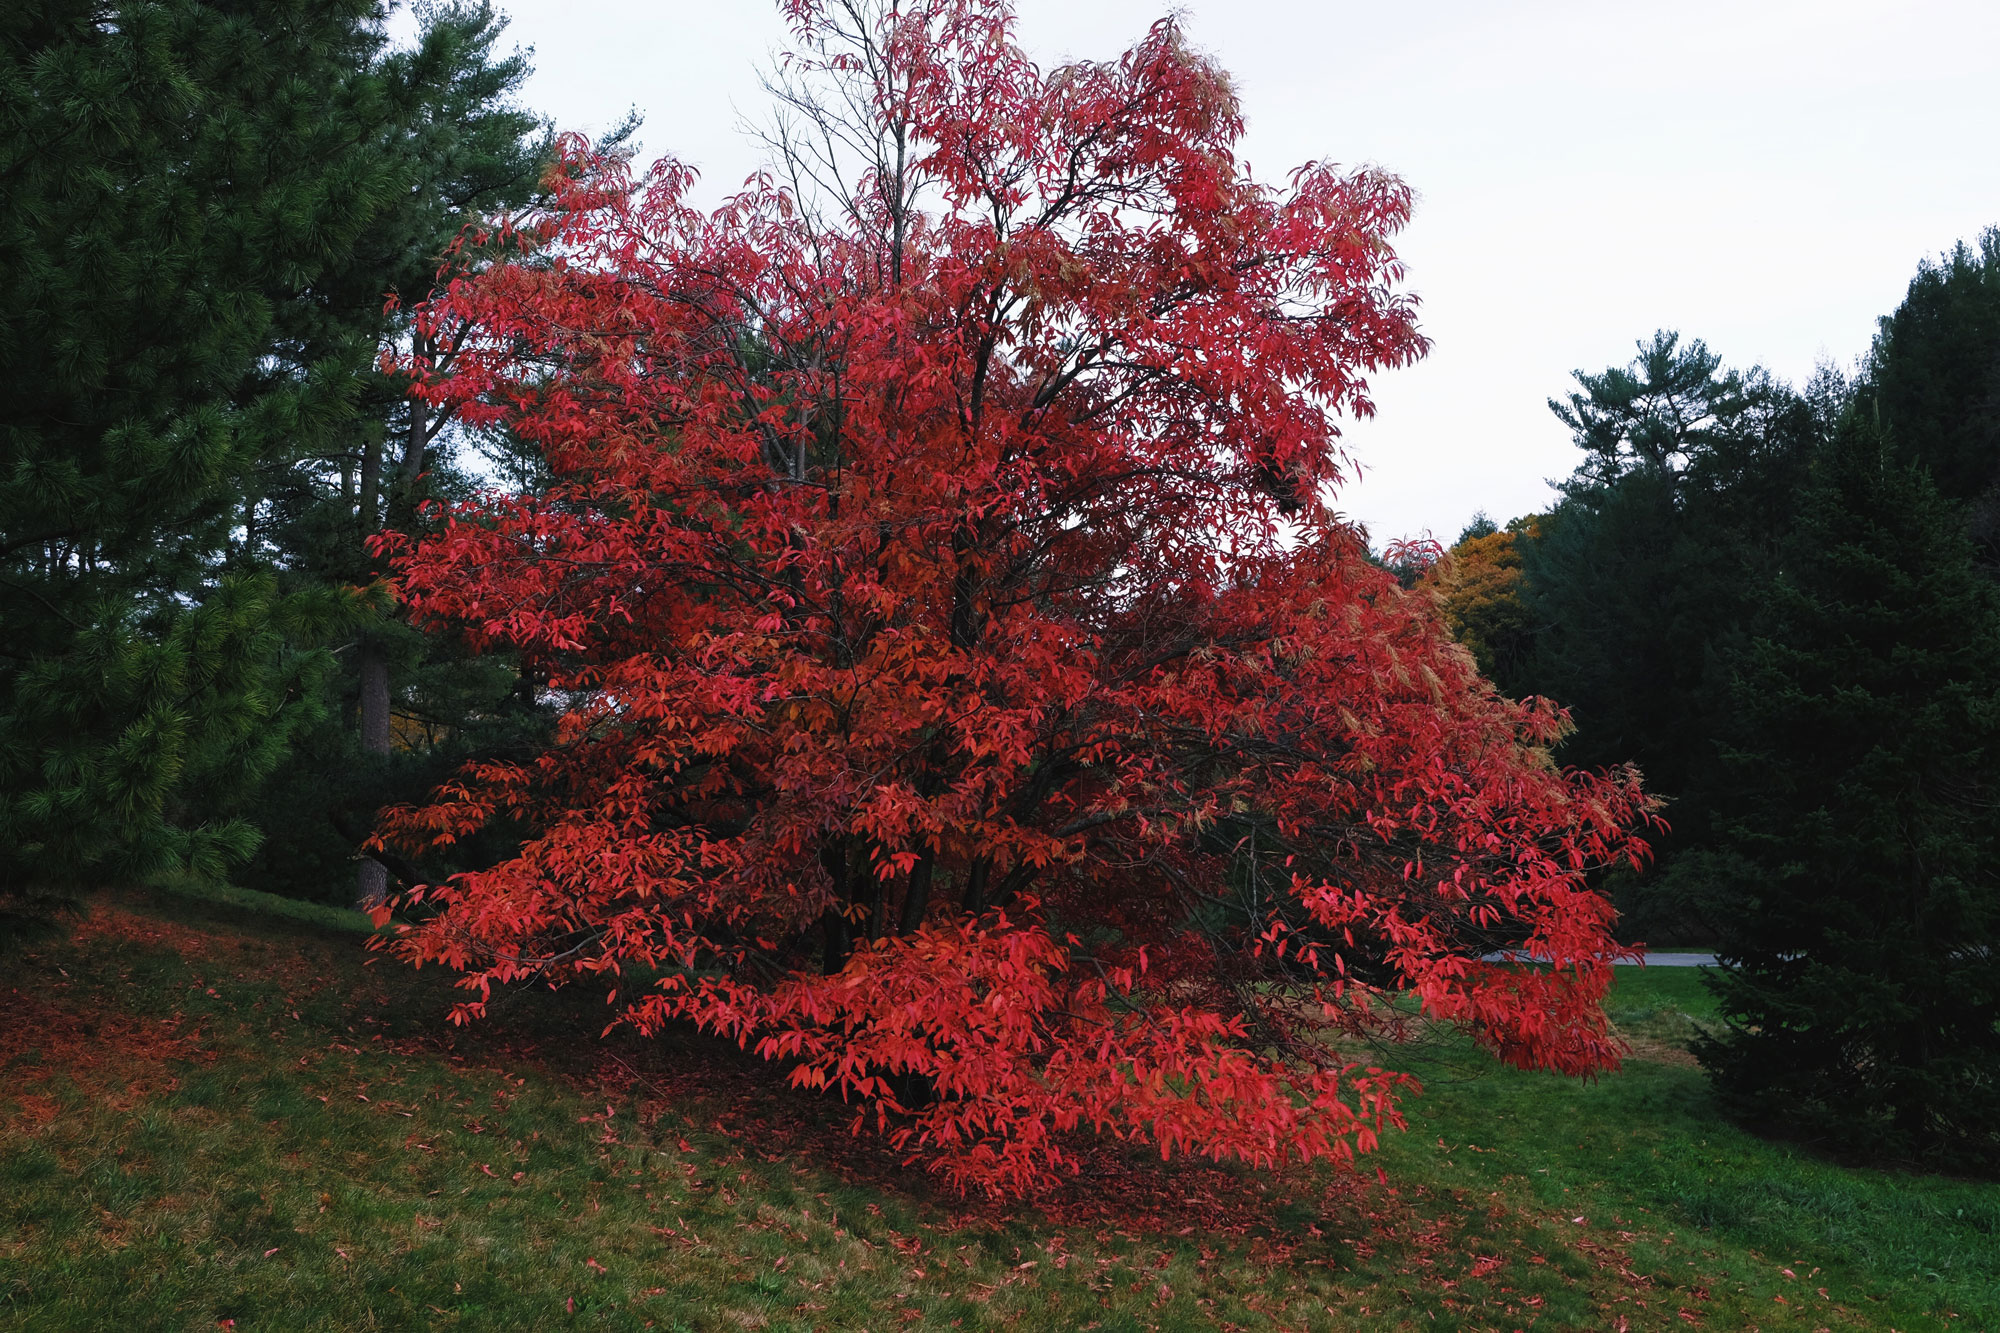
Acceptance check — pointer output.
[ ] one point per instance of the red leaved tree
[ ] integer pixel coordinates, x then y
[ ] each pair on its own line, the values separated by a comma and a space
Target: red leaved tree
970, 698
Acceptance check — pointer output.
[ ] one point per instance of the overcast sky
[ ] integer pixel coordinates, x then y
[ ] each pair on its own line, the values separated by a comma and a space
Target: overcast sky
1761, 174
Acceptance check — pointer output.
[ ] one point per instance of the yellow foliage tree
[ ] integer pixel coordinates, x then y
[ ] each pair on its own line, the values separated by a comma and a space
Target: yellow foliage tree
1478, 586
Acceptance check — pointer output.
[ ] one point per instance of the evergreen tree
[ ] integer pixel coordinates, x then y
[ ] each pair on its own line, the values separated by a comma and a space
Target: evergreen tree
1671, 412
206, 203
1861, 965
176, 176
405, 707
1640, 576
1934, 378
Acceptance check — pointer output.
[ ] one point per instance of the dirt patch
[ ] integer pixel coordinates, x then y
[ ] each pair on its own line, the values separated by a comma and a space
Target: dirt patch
1661, 1052
1661, 1037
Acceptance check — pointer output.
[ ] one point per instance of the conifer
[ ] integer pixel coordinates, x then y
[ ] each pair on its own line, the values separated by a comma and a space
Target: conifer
195, 194
1860, 977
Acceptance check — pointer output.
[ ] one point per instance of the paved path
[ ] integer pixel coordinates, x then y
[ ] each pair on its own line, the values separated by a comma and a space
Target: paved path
1653, 959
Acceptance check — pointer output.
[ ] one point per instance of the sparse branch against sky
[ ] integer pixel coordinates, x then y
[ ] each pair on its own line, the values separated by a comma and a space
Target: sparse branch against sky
1763, 174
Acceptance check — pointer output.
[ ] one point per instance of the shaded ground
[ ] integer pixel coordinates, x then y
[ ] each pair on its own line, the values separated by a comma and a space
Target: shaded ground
209, 1116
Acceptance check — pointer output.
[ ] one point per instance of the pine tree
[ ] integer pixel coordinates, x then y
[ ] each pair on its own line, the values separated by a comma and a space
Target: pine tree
175, 173
1861, 979
1638, 579
406, 706
205, 203
1934, 376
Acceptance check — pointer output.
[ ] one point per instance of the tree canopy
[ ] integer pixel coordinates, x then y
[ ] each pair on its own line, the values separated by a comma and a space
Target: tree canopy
1933, 375
1479, 590
1644, 571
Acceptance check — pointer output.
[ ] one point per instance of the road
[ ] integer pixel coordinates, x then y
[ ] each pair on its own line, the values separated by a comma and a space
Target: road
1653, 959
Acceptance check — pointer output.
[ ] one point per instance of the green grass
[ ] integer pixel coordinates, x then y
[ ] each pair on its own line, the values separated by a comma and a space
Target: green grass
1646, 1151
209, 1114
1660, 1006
216, 901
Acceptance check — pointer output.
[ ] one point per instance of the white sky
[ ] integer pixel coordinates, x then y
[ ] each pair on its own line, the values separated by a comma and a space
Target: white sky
1763, 174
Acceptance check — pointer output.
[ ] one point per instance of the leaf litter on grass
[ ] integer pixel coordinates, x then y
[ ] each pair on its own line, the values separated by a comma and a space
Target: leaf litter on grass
676, 1166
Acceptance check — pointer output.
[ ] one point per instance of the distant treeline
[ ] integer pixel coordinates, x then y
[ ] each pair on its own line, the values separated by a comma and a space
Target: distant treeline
1779, 602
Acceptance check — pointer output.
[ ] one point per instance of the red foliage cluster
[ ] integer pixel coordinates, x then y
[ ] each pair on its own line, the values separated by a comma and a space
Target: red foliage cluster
969, 695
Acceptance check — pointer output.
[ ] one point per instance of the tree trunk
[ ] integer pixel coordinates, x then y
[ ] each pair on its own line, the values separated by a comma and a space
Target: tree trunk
416, 440
837, 940
368, 502
974, 899
372, 878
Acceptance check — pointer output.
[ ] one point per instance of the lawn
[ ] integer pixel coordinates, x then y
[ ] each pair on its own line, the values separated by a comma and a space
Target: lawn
210, 1113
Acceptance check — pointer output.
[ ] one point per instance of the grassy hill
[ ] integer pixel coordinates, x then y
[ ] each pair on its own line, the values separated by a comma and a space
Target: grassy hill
210, 1112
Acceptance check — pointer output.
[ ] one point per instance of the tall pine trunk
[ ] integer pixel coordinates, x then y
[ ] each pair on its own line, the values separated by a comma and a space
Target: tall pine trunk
372, 877
371, 887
